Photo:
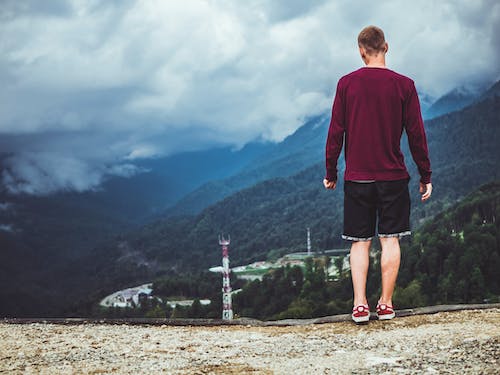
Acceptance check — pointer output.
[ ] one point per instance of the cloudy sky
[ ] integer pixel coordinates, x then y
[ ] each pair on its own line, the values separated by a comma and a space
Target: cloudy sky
90, 86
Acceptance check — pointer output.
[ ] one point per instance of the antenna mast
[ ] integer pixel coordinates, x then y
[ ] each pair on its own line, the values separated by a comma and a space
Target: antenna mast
308, 242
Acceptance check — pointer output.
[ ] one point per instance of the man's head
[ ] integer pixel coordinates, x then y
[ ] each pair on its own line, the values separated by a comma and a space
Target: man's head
371, 42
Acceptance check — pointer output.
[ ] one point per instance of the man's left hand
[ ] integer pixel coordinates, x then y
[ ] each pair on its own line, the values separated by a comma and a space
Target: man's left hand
426, 191
329, 184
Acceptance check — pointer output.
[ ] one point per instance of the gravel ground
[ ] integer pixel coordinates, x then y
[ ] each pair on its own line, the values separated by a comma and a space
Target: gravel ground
453, 342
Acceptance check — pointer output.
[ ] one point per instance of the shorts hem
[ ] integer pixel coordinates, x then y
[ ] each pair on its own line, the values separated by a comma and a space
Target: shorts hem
399, 235
350, 238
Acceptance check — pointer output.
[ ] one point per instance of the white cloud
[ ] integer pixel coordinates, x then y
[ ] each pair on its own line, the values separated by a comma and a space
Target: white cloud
125, 170
43, 173
145, 78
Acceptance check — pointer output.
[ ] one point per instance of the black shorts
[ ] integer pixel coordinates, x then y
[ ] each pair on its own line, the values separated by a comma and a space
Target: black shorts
364, 203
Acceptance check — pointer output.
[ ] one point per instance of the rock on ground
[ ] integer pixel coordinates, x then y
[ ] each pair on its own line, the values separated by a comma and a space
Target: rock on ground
454, 342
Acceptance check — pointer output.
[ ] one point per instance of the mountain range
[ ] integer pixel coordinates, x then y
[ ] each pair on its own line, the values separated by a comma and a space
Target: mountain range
68, 249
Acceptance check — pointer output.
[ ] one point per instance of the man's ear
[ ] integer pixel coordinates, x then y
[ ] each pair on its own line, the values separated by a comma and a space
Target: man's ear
386, 47
362, 52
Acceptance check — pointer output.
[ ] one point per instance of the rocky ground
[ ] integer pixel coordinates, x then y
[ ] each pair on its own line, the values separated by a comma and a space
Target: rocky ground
447, 342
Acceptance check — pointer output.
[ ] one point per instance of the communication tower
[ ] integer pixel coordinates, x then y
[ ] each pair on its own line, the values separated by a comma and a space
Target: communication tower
227, 308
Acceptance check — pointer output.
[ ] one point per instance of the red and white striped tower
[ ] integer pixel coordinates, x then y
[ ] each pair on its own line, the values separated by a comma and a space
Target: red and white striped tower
227, 307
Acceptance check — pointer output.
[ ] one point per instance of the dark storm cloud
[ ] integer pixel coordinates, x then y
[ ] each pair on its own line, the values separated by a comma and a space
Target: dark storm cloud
92, 85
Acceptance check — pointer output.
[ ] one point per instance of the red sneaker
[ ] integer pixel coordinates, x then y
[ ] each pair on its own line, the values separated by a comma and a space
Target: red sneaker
385, 311
361, 313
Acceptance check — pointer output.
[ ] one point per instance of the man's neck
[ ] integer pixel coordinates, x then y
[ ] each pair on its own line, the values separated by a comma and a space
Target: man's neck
377, 61
376, 64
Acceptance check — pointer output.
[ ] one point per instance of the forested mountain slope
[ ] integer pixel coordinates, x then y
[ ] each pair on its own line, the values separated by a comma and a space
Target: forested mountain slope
300, 150
455, 257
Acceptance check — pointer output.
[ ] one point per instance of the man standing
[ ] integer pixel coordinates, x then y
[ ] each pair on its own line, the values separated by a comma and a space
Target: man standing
372, 106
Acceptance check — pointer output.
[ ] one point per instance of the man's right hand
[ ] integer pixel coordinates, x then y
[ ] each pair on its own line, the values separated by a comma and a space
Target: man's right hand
329, 184
426, 191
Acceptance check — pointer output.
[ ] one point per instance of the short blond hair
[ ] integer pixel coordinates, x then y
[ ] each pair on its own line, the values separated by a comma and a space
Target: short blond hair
372, 39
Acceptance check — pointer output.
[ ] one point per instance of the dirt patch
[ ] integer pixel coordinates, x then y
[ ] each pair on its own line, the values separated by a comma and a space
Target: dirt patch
447, 342
231, 369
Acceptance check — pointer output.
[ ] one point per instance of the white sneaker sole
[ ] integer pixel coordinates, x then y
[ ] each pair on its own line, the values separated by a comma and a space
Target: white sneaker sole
386, 316
360, 319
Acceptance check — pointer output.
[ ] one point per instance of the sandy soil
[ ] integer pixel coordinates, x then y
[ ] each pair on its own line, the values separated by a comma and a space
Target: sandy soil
454, 342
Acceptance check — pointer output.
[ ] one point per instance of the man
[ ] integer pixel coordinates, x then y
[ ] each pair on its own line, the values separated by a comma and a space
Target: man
372, 106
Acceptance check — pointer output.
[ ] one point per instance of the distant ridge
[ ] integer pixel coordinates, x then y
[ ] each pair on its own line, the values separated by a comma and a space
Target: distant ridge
454, 100
492, 92
298, 151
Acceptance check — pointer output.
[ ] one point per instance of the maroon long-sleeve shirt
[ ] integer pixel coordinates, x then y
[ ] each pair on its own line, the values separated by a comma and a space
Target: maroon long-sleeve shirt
372, 106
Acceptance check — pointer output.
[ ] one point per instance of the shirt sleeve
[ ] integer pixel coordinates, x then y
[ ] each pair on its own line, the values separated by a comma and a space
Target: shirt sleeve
335, 139
416, 135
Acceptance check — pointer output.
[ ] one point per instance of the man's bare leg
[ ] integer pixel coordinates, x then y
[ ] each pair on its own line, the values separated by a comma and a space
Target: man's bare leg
359, 259
389, 262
